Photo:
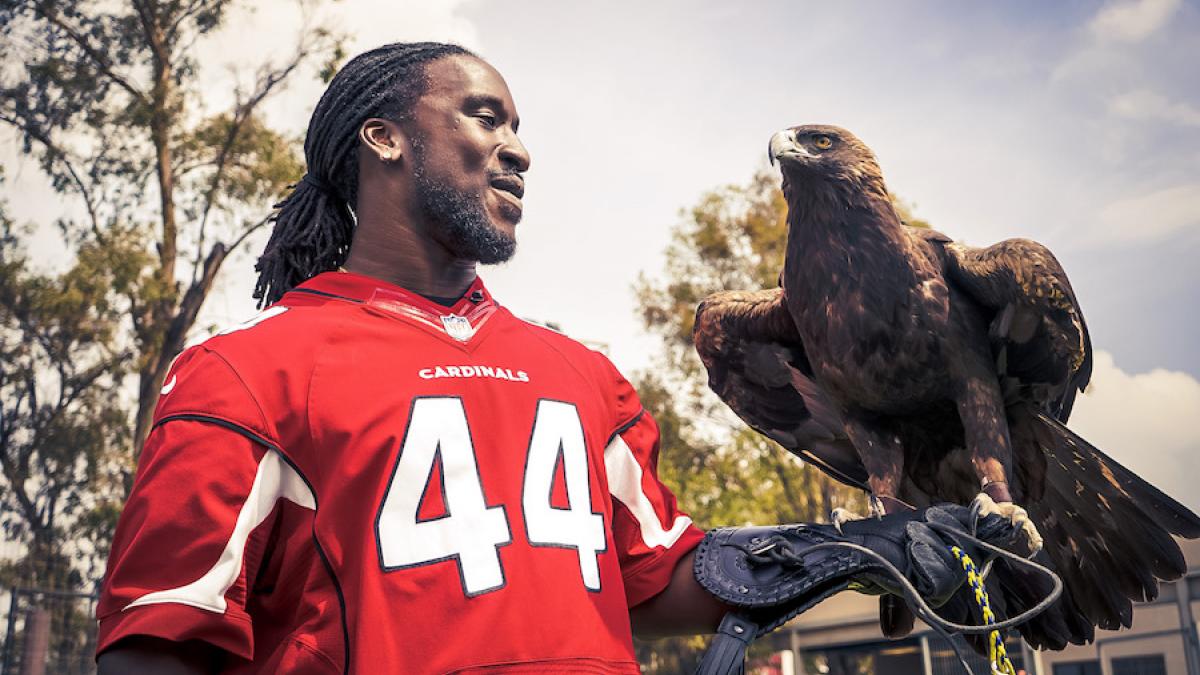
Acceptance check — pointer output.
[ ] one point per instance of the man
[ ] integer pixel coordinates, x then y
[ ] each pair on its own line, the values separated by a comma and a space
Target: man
385, 470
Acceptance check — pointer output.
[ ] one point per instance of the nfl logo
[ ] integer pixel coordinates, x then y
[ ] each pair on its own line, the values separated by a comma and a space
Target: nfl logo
458, 327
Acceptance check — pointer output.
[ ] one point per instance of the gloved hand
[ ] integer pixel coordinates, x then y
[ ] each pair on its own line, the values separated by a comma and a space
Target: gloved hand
774, 573
927, 541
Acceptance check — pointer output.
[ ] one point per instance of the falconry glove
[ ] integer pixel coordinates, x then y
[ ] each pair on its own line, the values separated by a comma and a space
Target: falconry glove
773, 573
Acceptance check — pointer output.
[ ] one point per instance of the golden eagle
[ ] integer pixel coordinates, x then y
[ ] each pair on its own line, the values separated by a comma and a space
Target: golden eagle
922, 371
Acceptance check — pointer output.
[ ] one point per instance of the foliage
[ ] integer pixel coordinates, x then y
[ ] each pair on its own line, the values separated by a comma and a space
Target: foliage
158, 189
723, 472
62, 422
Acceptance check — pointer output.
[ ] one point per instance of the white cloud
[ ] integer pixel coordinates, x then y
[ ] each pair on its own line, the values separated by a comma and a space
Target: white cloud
1145, 421
1131, 21
1098, 57
1143, 104
1149, 217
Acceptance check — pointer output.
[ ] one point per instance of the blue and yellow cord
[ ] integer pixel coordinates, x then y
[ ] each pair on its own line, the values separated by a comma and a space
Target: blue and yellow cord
998, 655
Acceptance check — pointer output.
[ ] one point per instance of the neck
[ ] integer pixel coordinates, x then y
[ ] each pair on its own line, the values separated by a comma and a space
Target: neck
841, 239
393, 244
833, 205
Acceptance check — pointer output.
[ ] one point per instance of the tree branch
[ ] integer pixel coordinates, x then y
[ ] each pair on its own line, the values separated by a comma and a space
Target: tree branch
250, 230
58, 155
150, 30
46, 11
23, 456
184, 317
193, 8
16, 481
7, 427
62, 386
267, 82
81, 382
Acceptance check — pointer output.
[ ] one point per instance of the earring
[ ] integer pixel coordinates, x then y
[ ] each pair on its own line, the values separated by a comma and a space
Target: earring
386, 156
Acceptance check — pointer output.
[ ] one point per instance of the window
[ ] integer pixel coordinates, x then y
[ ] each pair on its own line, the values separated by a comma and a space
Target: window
1077, 668
1150, 664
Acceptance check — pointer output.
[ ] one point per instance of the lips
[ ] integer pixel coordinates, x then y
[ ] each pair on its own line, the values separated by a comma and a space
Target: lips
510, 183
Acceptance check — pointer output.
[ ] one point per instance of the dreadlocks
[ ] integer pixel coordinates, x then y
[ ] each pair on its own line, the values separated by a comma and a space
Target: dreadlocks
314, 225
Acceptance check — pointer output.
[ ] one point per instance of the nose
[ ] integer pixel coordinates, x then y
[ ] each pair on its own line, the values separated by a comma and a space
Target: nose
513, 153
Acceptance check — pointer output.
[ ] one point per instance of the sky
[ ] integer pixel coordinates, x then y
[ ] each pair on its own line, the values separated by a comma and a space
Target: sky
1076, 124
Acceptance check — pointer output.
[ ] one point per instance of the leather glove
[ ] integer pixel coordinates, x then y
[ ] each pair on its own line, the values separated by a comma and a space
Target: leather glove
773, 573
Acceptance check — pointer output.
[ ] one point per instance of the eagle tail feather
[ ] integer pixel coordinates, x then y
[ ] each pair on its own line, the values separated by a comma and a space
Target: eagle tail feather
1013, 590
1108, 534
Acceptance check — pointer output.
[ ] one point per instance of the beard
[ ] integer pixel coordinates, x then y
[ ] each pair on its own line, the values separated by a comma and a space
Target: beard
458, 218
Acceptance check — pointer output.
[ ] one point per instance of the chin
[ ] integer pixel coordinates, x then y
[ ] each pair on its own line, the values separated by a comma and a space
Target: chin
506, 230
505, 218
505, 214
506, 224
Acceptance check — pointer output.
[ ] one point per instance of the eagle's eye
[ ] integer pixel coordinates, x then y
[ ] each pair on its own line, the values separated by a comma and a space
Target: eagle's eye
823, 142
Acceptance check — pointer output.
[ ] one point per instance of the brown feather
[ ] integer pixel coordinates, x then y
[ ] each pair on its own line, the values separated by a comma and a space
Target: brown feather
906, 364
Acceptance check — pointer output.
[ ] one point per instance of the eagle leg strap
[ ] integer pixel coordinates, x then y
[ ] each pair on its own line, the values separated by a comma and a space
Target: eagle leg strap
727, 653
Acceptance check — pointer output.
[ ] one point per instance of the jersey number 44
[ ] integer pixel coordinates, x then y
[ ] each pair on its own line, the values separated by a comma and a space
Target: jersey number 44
469, 530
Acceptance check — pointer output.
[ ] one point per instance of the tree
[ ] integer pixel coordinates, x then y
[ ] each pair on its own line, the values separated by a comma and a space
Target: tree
109, 106
157, 192
723, 472
62, 422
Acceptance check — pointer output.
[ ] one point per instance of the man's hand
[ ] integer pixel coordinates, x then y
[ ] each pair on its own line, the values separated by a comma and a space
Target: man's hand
928, 562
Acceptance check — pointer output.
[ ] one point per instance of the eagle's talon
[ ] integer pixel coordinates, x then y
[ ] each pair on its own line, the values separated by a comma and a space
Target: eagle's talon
877, 509
840, 516
984, 505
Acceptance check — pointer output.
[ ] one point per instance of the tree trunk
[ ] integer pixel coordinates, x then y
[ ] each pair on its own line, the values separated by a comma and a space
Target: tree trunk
156, 353
173, 341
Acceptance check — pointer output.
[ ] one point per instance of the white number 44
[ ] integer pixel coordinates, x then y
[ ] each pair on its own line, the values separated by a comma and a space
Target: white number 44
471, 532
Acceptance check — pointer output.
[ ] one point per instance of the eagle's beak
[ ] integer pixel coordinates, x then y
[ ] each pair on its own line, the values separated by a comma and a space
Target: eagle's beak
783, 144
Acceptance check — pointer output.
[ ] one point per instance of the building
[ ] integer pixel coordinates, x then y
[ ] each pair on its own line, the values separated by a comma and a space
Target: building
841, 637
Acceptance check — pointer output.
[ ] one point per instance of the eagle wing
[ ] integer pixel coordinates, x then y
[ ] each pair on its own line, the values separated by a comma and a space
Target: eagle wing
1108, 532
1043, 351
757, 365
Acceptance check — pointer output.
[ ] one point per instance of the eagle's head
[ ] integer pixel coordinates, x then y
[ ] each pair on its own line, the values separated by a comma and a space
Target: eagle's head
820, 157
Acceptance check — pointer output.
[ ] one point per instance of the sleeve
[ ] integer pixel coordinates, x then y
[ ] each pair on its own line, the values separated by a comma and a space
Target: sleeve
198, 519
650, 533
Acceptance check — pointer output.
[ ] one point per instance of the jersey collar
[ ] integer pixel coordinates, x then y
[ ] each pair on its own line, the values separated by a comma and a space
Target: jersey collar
460, 321
361, 288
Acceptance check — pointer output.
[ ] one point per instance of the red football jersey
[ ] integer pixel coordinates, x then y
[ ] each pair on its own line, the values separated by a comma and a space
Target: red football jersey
361, 480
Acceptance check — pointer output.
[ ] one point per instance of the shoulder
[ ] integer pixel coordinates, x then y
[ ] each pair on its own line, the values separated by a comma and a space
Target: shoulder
282, 328
250, 373
931, 244
287, 336
595, 367
579, 355
928, 236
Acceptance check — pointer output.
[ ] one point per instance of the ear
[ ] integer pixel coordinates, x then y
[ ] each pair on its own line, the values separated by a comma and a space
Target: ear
383, 138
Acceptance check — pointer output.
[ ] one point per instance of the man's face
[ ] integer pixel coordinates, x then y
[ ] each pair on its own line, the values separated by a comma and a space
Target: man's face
467, 159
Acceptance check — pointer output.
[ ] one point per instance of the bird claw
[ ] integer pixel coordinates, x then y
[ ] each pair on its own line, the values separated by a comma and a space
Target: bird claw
984, 505
876, 510
840, 516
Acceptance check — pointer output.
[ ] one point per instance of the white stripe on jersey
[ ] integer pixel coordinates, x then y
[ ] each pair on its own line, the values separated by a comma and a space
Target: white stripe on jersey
625, 483
274, 480
272, 311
